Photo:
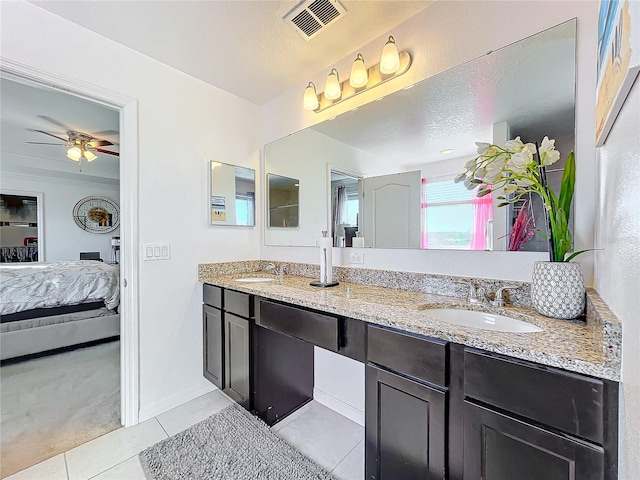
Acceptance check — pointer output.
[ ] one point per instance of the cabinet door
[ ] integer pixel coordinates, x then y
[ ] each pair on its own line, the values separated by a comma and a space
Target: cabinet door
212, 345
236, 358
404, 428
498, 447
283, 374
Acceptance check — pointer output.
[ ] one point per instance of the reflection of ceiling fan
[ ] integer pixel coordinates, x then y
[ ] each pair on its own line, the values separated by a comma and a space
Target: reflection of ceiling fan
80, 145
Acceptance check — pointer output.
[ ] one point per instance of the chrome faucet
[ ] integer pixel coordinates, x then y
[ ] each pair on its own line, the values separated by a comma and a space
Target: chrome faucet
498, 300
476, 295
280, 271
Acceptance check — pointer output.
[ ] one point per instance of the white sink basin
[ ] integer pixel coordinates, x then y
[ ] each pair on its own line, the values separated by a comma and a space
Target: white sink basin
254, 279
483, 320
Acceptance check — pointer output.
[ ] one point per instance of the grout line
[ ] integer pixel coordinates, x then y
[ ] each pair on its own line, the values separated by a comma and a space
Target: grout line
66, 467
162, 427
345, 457
112, 466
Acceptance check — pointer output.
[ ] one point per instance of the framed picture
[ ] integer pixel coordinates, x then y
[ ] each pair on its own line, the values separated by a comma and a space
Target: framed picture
618, 60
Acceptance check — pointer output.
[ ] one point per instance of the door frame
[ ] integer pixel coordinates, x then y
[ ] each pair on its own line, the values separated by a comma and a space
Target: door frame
130, 258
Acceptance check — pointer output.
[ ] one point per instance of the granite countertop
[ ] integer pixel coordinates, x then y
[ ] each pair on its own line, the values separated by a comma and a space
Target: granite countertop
591, 347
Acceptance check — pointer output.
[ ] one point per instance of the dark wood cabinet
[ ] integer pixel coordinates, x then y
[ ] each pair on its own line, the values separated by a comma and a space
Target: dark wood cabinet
499, 447
237, 353
404, 427
227, 341
405, 406
433, 409
212, 328
283, 374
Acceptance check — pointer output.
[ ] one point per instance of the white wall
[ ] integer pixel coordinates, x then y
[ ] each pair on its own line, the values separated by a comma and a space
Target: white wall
618, 264
182, 123
63, 239
440, 37
305, 156
449, 33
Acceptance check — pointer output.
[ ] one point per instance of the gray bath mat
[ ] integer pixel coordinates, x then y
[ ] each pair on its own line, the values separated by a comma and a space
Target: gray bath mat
230, 445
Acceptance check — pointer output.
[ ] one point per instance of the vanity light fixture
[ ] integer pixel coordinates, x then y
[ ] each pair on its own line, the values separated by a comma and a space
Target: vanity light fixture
390, 59
392, 64
310, 97
359, 75
332, 89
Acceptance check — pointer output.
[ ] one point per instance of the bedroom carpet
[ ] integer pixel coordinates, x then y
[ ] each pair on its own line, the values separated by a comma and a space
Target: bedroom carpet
54, 403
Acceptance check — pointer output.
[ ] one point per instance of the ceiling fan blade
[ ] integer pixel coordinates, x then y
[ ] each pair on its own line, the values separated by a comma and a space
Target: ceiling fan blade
107, 151
106, 133
55, 122
44, 143
100, 143
50, 134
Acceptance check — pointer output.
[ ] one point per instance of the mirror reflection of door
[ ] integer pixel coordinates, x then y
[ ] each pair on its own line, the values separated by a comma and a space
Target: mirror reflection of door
392, 210
346, 190
283, 198
19, 233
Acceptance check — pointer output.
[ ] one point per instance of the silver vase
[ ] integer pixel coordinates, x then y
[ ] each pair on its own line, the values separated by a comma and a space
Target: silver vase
557, 289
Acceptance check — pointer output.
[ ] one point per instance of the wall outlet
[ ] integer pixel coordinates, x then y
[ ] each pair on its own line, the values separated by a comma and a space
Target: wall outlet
356, 258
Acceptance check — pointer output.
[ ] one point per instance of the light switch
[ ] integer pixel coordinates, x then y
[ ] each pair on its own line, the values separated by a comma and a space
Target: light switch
156, 251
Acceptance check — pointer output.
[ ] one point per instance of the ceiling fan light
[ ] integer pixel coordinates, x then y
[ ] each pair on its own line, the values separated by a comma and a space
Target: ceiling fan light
310, 97
332, 89
390, 59
74, 153
89, 156
359, 75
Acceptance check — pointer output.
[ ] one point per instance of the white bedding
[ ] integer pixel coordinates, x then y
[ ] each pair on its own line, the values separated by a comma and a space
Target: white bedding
52, 284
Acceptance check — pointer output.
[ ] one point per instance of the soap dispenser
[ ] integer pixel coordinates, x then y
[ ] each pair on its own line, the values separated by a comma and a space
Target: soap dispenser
326, 262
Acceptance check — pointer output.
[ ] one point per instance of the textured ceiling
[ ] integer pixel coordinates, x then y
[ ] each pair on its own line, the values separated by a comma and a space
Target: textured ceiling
243, 47
530, 85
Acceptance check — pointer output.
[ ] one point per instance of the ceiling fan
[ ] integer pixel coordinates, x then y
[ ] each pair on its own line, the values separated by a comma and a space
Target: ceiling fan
80, 145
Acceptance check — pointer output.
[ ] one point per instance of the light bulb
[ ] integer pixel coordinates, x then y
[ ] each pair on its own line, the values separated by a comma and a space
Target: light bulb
74, 153
359, 76
89, 156
332, 87
390, 60
310, 97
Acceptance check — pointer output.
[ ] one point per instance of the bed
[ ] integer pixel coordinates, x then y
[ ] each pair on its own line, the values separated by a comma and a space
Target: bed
50, 305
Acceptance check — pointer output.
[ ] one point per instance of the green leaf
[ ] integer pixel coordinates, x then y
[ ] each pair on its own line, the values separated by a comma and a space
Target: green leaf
575, 254
567, 185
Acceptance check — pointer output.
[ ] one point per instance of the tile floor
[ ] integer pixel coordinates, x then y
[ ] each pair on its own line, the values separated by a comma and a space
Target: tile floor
325, 436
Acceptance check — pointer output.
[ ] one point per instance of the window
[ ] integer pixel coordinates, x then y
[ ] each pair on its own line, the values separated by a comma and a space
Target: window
452, 216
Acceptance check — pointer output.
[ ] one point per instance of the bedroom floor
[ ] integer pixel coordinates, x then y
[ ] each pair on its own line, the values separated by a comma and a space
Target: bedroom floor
52, 404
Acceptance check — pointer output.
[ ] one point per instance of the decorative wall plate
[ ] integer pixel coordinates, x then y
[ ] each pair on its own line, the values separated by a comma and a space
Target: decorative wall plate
97, 214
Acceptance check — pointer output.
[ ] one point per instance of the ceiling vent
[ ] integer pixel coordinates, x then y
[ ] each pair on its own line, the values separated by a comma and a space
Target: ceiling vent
314, 16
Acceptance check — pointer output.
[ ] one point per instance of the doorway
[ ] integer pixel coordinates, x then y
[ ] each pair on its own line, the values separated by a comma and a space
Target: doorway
128, 181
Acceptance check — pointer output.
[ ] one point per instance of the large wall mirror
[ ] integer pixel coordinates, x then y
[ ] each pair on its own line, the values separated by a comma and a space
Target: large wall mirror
232, 195
384, 172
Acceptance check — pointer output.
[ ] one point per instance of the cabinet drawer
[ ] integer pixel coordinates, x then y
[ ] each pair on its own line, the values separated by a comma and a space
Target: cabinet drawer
419, 357
566, 401
238, 303
212, 295
316, 328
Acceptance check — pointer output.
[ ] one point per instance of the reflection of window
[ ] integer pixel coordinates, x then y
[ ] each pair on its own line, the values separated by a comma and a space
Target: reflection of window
452, 217
244, 208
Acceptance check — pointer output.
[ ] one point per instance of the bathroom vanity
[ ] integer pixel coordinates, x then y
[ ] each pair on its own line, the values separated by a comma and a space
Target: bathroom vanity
441, 401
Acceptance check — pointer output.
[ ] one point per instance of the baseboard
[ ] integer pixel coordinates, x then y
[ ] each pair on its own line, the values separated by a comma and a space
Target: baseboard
337, 405
167, 403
